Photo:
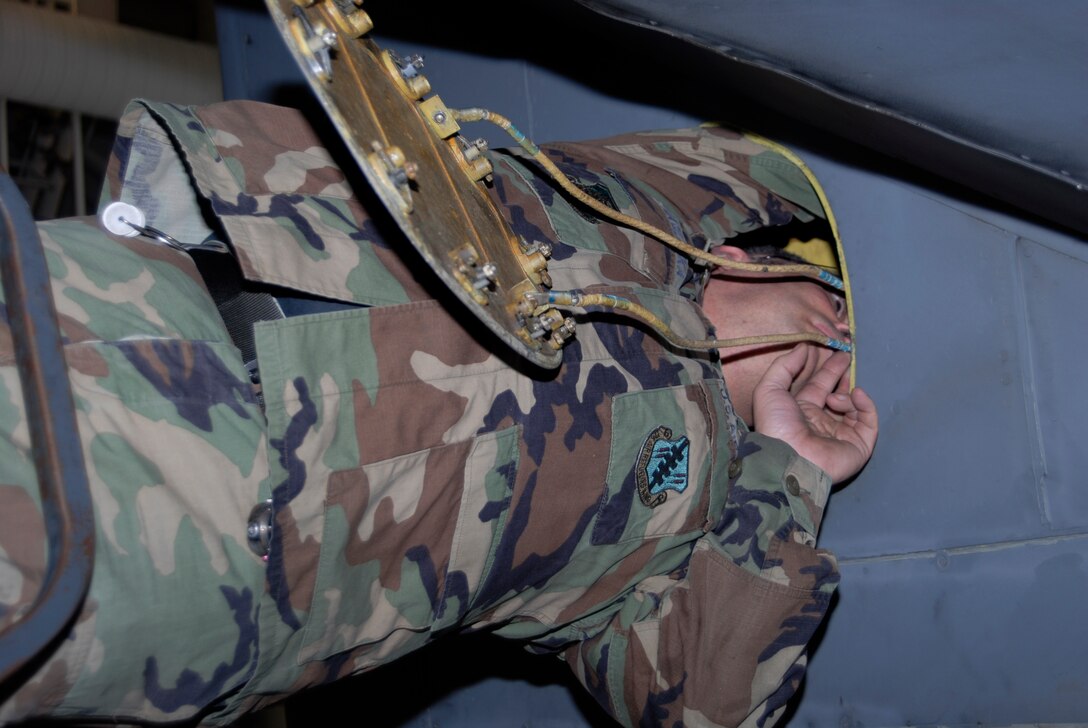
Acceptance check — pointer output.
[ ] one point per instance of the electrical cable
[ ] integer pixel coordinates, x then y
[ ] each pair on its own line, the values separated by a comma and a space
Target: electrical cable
830, 213
809, 271
579, 299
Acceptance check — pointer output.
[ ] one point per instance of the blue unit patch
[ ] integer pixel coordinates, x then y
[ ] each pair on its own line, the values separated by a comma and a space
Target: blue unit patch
662, 466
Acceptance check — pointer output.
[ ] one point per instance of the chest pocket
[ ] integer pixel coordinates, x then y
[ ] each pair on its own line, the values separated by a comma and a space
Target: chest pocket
405, 542
667, 447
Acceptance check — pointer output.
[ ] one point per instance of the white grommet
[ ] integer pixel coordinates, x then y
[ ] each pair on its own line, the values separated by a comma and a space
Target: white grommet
123, 219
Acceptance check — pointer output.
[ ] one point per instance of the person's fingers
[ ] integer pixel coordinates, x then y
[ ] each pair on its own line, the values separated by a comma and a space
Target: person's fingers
844, 381
826, 379
783, 370
840, 403
866, 409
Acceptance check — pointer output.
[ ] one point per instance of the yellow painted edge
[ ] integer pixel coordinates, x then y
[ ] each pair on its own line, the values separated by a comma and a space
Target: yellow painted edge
776, 147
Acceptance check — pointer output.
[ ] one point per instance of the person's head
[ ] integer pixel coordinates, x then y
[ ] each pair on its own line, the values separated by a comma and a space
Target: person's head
744, 306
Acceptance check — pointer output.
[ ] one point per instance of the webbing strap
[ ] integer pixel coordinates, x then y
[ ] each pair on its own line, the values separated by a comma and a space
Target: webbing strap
238, 307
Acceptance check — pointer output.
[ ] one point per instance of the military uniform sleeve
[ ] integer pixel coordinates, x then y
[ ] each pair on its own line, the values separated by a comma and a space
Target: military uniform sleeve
721, 641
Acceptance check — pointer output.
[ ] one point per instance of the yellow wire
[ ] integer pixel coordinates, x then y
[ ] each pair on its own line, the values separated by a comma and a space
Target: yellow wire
582, 300
578, 299
809, 271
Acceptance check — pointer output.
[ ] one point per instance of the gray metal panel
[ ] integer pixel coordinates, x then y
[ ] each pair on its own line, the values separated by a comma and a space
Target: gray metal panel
963, 542
1055, 284
256, 63
987, 70
987, 92
992, 636
940, 349
971, 335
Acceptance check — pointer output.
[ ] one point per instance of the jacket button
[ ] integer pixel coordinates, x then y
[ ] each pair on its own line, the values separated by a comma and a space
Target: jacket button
792, 485
735, 469
259, 529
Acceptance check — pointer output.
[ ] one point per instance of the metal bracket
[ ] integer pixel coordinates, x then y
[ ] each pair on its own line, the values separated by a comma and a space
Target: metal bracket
427, 175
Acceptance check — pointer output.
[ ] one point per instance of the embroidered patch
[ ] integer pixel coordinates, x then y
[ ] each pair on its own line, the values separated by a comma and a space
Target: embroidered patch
662, 466
599, 192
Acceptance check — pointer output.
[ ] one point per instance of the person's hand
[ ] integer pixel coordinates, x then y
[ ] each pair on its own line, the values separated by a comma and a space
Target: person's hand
822, 421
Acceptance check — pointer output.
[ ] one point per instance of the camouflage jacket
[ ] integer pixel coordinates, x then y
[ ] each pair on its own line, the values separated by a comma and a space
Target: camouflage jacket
423, 481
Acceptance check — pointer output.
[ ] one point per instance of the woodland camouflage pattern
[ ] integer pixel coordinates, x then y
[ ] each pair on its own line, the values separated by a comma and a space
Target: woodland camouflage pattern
424, 482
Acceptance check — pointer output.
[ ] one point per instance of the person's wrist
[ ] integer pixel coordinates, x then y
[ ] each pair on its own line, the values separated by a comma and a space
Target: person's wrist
802, 480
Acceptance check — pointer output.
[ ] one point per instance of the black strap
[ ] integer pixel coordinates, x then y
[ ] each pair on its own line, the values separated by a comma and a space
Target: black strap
238, 307
241, 304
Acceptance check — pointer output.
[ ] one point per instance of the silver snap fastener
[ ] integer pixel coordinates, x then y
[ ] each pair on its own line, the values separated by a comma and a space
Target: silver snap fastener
259, 529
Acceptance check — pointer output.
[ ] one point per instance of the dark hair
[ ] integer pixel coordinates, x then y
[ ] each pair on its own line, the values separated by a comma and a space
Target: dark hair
770, 251
778, 236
